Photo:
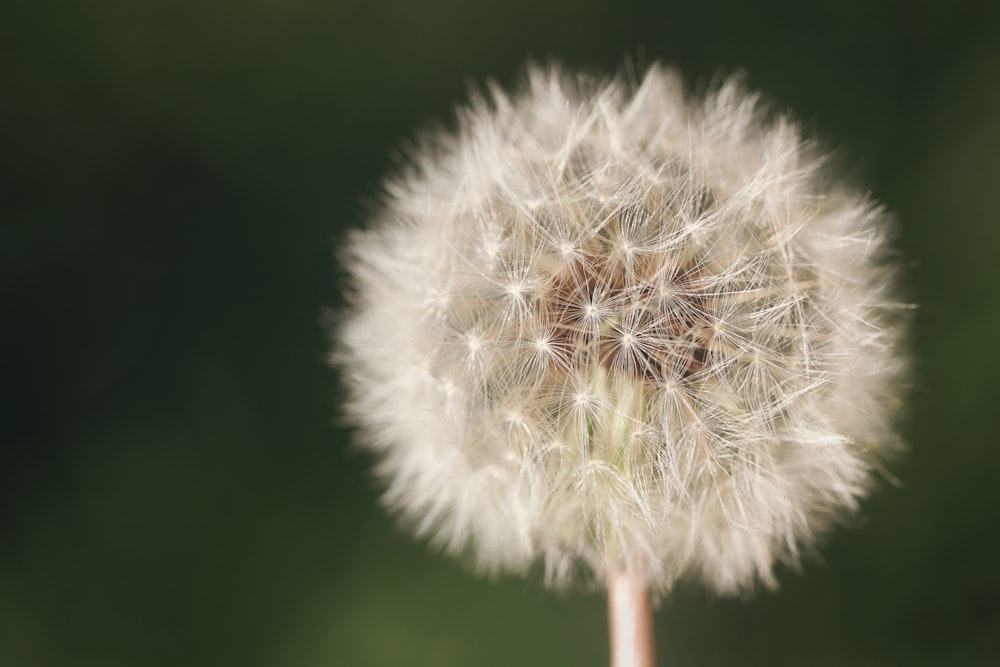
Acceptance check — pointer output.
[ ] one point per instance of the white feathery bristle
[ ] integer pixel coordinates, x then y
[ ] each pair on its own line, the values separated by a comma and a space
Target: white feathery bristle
604, 325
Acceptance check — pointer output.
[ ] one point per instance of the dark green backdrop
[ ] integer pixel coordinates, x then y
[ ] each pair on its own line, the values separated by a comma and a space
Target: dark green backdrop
174, 488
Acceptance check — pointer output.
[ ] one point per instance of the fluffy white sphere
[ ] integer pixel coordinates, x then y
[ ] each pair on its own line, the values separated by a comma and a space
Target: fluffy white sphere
605, 325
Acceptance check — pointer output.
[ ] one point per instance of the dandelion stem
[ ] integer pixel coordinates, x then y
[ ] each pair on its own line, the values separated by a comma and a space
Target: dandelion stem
630, 620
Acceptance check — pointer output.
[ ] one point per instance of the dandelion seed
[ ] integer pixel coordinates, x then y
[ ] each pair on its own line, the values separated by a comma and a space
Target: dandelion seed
692, 330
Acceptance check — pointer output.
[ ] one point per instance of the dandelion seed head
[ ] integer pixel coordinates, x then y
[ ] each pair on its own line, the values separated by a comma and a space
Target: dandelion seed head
604, 324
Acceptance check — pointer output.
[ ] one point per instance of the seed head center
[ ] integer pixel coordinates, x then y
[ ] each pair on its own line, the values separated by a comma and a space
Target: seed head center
623, 317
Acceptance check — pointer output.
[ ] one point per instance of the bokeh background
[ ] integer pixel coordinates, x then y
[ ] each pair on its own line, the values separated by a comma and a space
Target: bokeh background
174, 178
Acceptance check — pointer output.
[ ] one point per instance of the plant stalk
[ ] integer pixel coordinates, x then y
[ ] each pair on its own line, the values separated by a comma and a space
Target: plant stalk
630, 620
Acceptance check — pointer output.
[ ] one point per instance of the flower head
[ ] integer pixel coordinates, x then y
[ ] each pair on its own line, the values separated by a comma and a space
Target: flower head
607, 325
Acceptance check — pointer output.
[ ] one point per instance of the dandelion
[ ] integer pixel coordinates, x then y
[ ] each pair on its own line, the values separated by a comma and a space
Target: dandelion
626, 333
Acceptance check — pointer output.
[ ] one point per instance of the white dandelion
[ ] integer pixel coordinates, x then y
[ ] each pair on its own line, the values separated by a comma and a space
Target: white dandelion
627, 333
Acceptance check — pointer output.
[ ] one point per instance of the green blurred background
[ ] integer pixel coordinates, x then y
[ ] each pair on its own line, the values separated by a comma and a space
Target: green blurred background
174, 487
